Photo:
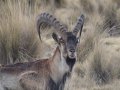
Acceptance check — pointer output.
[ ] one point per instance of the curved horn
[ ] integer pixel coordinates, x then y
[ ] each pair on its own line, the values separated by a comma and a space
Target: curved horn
46, 18
79, 25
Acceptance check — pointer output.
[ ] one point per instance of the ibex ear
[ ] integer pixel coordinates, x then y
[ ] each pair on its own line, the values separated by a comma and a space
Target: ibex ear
55, 37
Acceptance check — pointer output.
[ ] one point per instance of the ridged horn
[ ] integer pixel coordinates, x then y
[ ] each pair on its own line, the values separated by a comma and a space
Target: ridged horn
79, 25
48, 19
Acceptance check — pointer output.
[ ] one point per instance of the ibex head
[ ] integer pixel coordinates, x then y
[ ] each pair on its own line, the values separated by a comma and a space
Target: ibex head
67, 41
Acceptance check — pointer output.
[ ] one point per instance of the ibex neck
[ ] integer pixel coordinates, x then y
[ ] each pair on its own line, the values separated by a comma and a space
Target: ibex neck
70, 62
58, 66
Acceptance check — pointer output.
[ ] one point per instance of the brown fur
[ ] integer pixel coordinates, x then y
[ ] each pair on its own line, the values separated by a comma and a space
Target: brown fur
40, 72
19, 68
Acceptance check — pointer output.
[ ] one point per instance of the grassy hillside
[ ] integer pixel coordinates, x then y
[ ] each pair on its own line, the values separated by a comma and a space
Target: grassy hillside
98, 62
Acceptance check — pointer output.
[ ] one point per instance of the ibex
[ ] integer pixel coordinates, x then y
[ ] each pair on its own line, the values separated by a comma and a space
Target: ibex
49, 73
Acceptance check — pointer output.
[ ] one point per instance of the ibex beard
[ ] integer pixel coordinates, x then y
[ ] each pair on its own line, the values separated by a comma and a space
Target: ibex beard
45, 74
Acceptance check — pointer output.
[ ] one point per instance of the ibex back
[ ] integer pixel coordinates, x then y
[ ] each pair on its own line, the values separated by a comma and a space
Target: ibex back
45, 74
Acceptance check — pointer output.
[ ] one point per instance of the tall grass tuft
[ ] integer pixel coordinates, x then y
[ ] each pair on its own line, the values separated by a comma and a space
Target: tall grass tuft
18, 41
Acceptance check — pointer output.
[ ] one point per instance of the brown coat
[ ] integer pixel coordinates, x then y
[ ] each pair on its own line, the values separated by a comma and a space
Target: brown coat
44, 74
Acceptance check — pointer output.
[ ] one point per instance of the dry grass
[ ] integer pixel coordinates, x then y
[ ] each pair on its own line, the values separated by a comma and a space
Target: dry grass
99, 50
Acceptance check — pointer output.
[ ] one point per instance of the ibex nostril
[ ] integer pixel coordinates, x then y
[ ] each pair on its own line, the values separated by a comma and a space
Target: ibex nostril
72, 50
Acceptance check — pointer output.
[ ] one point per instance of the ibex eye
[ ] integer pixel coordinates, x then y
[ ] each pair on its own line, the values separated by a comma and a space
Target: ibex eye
78, 40
61, 40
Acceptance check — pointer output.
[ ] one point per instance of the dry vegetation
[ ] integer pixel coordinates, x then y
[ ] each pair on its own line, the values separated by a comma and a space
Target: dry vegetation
99, 50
